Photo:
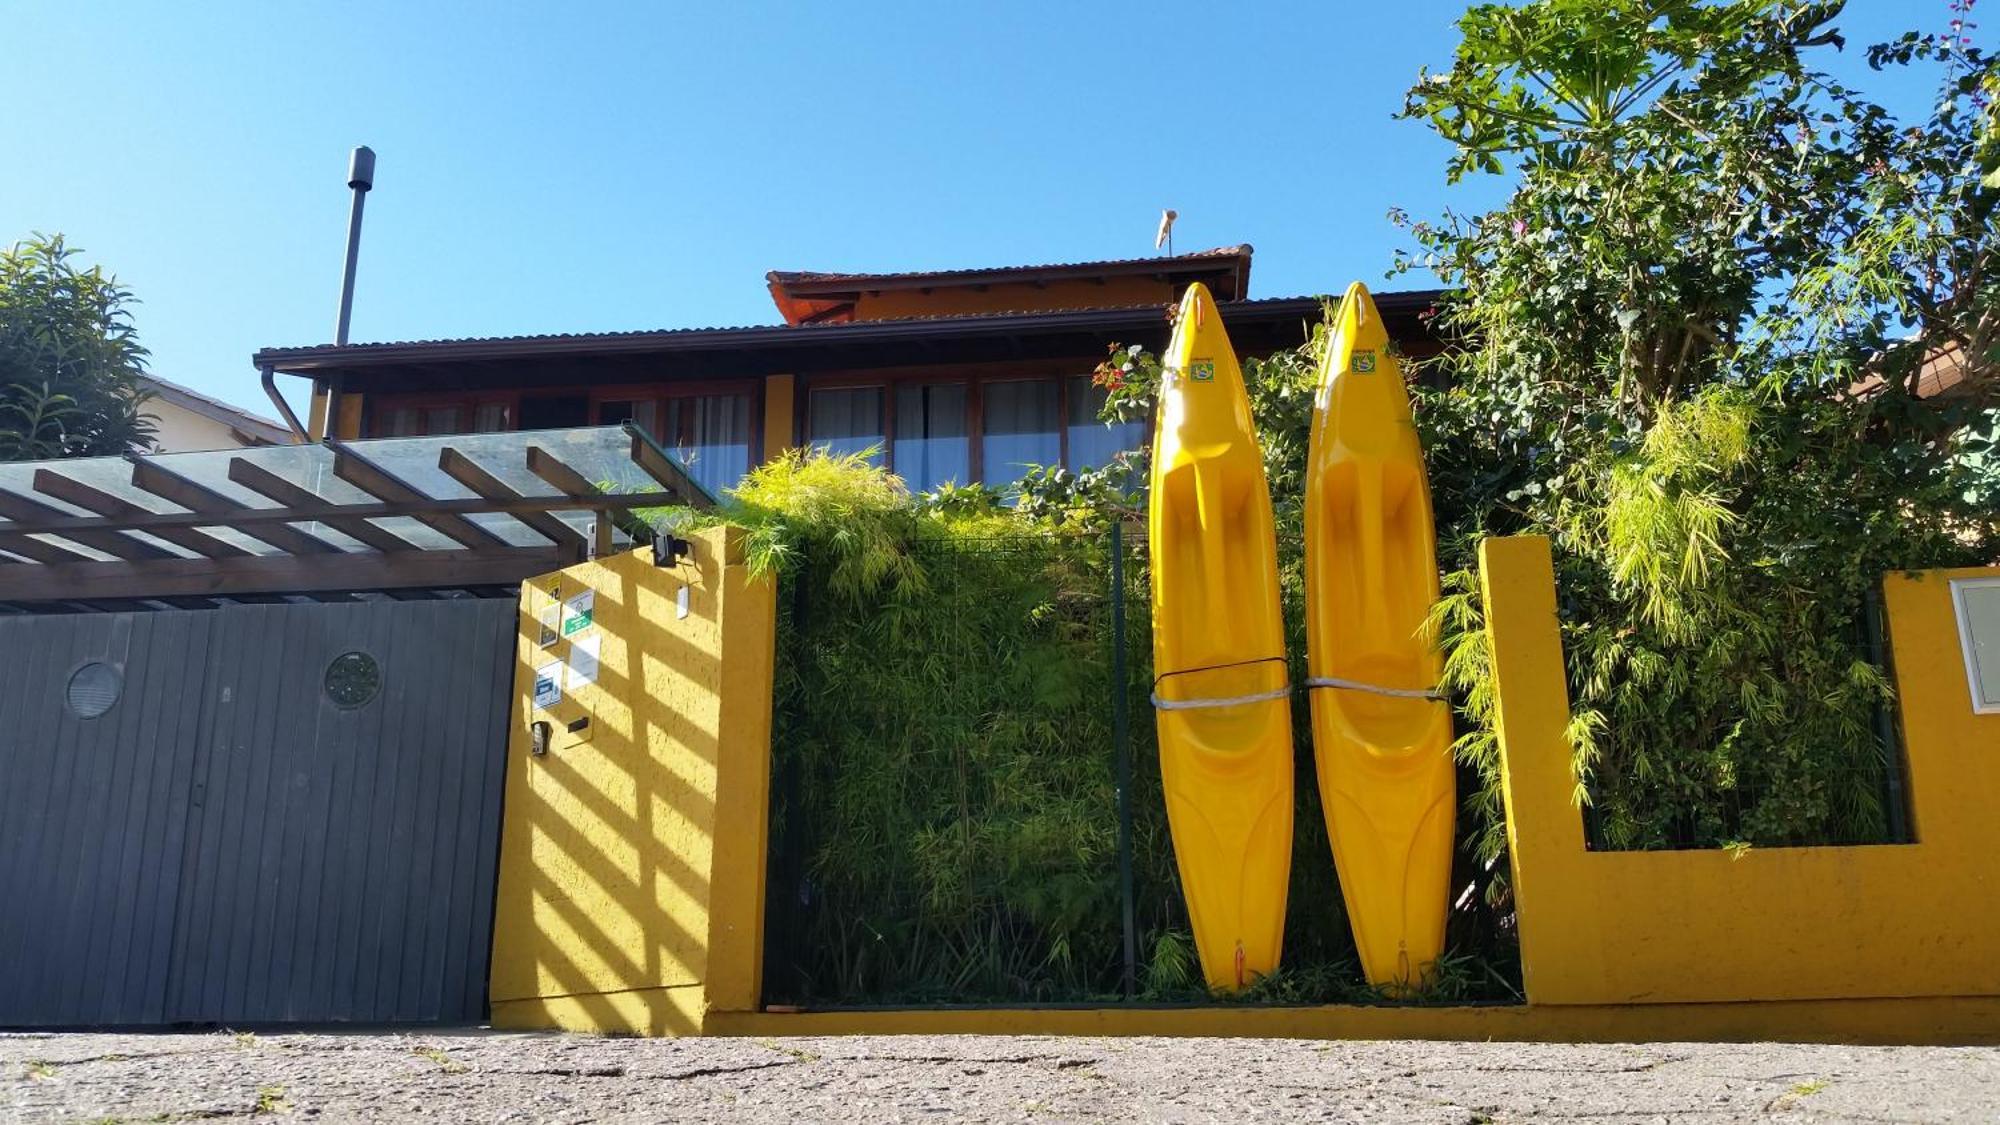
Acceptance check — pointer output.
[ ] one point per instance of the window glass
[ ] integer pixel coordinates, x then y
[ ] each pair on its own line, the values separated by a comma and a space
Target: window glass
846, 419
442, 420
400, 422
645, 412
489, 418
931, 443
710, 434
1091, 442
1019, 428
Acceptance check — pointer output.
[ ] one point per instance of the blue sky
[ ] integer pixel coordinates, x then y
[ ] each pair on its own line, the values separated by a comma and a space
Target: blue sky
573, 168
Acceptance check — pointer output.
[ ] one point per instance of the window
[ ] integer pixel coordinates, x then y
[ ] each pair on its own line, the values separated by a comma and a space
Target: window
932, 447
431, 416
1093, 443
846, 419
959, 431
710, 434
1020, 429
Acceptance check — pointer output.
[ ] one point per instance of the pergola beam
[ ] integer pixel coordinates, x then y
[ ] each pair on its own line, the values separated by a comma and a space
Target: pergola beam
276, 574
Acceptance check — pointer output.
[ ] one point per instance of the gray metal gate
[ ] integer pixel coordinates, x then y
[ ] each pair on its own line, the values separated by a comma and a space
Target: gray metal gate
257, 827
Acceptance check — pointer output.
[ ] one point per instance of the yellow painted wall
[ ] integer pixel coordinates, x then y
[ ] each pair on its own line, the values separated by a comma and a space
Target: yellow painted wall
1911, 920
957, 301
780, 394
632, 853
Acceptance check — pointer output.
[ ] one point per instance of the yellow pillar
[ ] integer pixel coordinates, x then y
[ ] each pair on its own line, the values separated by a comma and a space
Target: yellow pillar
631, 887
779, 414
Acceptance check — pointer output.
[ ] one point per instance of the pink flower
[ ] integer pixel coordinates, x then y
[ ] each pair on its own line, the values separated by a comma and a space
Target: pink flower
1520, 227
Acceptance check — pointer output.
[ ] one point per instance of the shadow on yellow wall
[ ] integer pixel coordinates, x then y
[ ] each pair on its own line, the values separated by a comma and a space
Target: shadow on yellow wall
632, 854
1902, 920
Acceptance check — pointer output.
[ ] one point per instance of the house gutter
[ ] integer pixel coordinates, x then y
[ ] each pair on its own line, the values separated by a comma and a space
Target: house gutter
268, 377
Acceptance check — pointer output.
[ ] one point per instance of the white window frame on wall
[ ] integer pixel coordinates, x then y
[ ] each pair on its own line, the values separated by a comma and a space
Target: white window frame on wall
1961, 606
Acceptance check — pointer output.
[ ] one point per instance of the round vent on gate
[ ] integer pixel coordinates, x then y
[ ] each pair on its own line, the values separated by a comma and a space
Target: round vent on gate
93, 689
353, 679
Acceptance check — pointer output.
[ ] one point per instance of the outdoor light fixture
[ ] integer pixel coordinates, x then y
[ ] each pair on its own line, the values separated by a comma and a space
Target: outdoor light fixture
669, 549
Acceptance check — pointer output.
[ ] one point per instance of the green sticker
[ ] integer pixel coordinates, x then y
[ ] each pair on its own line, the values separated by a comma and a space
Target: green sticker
1364, 361
577, 612
1202, 371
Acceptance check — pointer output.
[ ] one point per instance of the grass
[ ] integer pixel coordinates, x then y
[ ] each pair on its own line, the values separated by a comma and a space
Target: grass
40, 1070
798, 1053
272, 1100
444, 1061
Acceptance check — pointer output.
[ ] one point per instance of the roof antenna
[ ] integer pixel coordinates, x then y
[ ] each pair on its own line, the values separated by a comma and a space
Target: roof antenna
360, 177
1166, 236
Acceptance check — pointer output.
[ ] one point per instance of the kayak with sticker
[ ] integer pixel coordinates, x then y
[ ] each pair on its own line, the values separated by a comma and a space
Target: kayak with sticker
1381, 736
1221, 687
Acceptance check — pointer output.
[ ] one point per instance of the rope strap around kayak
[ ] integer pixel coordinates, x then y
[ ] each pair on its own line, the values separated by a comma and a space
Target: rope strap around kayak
1373, 689
1227, 701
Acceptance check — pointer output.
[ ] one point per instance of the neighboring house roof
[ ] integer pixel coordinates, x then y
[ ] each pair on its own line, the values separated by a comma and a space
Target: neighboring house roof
804, 295
1943, 371
254, 428
830, 344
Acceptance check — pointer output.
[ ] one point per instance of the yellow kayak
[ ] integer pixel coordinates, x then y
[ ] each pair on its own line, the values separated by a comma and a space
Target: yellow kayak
1221, 687
1382, 744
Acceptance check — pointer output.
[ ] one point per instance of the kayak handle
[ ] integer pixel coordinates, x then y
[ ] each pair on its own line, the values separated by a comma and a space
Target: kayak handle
1373, 689
1230, 701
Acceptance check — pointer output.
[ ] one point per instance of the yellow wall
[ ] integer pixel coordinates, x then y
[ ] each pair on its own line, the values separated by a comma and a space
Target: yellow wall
632, 853
780, 393
1911, 920
1016, 297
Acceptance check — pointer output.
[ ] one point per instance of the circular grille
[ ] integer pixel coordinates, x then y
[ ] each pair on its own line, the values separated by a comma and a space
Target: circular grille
93, 689
353, 679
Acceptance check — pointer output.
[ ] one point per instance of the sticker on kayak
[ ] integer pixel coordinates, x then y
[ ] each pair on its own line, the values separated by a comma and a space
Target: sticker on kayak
1202, 371
1364, 361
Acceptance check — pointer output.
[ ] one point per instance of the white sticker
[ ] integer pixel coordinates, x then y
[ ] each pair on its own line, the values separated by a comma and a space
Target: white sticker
548, 685
549, 619
681, 602
577, 612
583, 661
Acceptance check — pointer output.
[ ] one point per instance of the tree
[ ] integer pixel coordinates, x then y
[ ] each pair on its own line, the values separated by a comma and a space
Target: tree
1691, 341
69, 358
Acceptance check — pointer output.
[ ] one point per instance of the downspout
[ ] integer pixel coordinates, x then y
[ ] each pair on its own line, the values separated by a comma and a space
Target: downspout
284, 408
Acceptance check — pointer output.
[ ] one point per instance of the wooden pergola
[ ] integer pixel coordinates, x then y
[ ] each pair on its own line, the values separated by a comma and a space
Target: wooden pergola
334, 521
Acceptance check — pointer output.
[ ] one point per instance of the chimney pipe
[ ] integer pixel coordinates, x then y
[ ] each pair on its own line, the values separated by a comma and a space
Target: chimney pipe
360, 177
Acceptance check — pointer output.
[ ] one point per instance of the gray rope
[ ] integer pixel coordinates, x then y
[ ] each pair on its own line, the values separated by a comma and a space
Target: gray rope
1356, 685
1232, 701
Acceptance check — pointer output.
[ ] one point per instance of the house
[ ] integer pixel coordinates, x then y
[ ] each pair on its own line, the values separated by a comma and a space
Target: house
951, 376
185, 420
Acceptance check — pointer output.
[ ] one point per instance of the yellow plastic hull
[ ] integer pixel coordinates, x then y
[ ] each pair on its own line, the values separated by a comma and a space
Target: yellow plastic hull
1217, 635
1384, 761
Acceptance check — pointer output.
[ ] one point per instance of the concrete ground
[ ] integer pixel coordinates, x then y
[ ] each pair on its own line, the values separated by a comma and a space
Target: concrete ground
484, 1076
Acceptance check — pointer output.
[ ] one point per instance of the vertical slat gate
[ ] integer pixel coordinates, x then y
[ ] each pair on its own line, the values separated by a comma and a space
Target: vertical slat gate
227, 843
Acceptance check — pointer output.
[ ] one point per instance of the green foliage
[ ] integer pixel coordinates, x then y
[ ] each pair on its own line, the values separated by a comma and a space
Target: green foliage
945, 811
69, 358
1711, 246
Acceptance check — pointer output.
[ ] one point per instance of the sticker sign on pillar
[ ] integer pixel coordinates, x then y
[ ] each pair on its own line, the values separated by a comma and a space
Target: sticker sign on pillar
577, 612
548, 685
583, 661
549, 619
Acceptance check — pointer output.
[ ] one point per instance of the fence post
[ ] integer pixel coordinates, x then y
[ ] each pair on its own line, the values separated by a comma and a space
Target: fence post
1120, 692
